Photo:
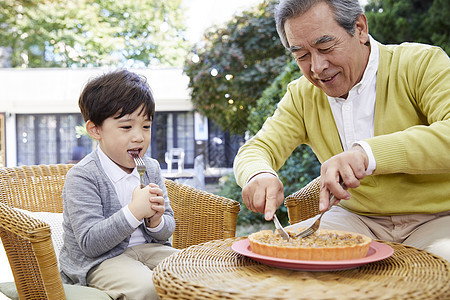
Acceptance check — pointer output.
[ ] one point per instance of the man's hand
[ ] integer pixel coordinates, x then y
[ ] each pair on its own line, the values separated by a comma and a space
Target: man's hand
349, 166
263, 194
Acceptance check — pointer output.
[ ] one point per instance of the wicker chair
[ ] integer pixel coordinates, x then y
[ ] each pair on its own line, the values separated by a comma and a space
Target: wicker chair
199, 217
304, 203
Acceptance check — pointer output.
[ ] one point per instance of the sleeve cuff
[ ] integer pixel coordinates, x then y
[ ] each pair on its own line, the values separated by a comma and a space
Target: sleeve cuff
259, 172
372, 163
157, 228
130, 217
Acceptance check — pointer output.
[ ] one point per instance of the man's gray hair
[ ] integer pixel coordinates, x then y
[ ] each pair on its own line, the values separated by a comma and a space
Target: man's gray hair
345, 13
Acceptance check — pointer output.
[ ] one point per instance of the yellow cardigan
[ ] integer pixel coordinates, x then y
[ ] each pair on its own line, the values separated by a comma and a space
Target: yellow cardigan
412, 134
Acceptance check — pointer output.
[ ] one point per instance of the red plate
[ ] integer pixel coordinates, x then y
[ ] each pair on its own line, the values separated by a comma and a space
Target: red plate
377, 251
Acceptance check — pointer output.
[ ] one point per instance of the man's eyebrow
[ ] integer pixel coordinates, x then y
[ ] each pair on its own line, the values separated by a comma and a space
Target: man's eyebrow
293, 49
324, 39
321, 40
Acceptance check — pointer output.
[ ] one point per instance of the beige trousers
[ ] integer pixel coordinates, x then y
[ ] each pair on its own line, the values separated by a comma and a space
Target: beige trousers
430, 232
129, 275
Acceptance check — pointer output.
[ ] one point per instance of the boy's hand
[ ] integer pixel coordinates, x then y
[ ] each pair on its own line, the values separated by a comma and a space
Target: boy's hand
157, 204
140, 205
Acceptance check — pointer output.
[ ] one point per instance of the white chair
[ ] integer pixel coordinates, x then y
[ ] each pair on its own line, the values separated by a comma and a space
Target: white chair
175, 155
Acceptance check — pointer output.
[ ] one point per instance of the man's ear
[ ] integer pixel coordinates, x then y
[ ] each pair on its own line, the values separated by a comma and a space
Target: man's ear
93, 130
362, 29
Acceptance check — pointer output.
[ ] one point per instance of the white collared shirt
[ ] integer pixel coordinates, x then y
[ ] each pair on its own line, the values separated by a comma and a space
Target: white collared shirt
124, 185
355, 115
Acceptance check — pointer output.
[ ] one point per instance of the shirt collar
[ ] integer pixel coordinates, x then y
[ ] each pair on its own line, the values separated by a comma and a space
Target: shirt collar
114, 172
372, 66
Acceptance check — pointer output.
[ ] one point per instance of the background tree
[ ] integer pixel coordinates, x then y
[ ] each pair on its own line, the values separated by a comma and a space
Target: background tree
302, 166
422, 21
231, 68
299, 169
85, 33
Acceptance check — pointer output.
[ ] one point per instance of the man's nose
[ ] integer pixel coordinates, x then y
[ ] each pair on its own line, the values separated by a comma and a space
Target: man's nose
319, 63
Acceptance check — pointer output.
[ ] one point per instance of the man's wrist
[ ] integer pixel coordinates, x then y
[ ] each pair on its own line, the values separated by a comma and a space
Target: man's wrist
259, 173
371, 163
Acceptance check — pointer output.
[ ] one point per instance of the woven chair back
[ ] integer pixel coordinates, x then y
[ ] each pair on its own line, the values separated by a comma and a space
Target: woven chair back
304, 203
27, 240
200, 216
34, 188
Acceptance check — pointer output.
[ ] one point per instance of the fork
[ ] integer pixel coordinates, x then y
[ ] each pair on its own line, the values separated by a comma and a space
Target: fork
313, 228
140, 166
280, 228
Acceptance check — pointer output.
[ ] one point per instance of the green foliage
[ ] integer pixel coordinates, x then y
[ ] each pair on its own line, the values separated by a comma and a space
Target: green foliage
299, 169
86, 33
302, 166
266, 105
422, 21
247, 55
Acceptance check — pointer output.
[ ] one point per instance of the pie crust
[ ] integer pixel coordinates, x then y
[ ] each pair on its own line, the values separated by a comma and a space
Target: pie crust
324, 244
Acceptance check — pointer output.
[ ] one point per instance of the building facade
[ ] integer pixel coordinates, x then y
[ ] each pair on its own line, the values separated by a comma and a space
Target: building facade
40, 122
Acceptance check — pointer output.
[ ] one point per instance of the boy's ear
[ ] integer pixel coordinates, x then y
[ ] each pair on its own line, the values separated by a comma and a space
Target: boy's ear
92, 130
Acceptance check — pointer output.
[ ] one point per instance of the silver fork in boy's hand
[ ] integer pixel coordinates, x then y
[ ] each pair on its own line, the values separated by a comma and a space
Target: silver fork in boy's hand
140, 167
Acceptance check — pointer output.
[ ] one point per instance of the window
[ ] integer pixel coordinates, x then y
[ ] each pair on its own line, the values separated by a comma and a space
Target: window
222, 147
176, 130
50, 139
173, 130
184, 125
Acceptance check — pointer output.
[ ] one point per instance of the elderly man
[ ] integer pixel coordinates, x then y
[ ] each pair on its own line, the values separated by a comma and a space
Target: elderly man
376, 116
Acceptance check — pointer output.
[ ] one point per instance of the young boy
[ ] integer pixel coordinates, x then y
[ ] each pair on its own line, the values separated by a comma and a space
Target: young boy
106, 242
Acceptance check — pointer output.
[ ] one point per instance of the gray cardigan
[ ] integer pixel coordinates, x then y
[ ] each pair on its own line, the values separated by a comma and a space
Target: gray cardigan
95, 228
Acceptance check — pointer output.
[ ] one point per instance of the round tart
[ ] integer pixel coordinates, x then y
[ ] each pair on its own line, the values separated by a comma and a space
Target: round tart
324, 244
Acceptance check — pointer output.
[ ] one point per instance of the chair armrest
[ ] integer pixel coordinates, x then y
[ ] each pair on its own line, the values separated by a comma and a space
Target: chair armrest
200, 216
29, 248
304, 203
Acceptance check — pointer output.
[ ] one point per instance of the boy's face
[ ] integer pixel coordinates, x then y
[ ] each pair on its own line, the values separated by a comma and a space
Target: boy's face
118, 138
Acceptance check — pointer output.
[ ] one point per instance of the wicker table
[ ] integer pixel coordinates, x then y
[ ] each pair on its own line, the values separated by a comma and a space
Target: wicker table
213, 271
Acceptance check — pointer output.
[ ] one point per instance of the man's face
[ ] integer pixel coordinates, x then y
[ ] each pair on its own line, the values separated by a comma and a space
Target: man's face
118, 138
326, 53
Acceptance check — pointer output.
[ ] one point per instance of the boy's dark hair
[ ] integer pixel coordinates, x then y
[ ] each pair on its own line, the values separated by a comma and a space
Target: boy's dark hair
119, 91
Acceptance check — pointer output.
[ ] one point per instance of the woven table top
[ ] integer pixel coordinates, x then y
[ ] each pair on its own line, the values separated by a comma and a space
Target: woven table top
213, 271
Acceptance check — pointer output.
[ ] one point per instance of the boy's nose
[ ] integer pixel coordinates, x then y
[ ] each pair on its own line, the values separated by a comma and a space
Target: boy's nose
138, 136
